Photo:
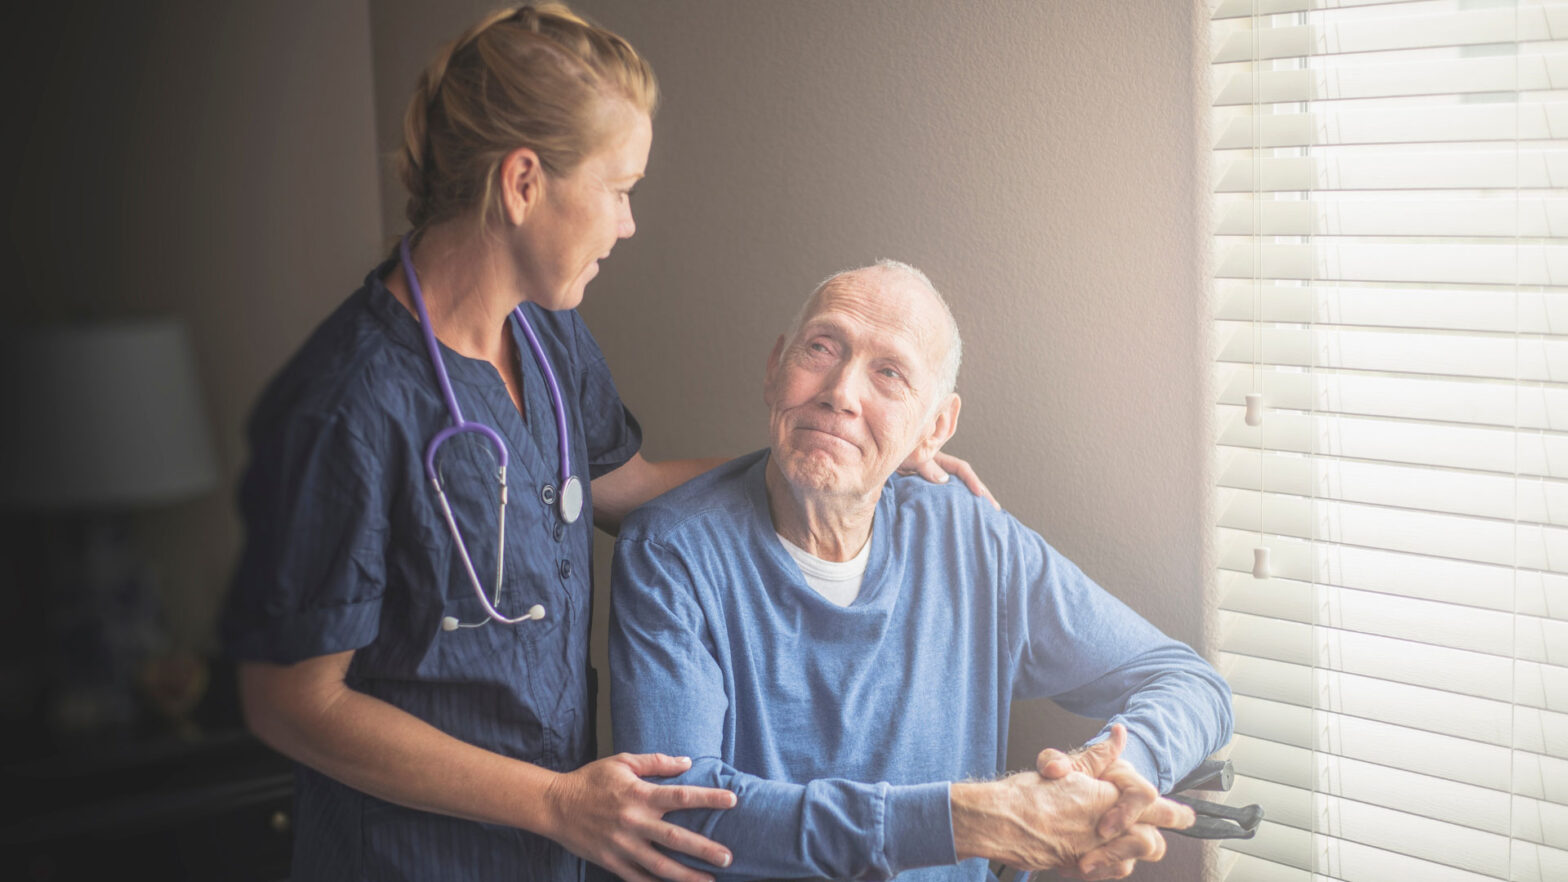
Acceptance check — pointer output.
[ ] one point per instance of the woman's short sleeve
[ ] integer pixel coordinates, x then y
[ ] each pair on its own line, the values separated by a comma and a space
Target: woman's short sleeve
313, 570
612, 434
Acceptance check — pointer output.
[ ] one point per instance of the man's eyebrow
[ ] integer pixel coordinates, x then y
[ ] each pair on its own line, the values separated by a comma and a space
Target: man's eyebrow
822, 325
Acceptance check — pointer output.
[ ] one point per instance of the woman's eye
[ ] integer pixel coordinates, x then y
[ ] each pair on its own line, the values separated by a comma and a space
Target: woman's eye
891, 374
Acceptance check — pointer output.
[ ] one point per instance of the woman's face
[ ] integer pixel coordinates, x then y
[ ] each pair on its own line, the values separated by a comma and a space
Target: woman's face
582, 215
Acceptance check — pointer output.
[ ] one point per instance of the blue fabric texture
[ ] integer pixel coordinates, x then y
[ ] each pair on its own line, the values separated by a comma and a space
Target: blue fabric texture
840, 727
346, 549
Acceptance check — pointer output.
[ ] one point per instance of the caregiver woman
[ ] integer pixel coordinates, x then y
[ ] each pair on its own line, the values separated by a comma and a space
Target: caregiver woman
436, 692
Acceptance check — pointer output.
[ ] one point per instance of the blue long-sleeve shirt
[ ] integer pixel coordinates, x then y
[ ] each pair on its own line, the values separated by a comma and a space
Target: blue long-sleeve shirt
839, 728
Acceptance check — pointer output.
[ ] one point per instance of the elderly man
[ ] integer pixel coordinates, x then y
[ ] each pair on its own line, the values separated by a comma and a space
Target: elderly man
840, 646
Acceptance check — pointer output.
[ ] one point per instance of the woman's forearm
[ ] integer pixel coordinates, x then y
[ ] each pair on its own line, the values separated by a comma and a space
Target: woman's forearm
620, 492
381, 750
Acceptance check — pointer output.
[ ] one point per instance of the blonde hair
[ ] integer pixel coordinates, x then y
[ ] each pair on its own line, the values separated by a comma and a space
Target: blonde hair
536, 76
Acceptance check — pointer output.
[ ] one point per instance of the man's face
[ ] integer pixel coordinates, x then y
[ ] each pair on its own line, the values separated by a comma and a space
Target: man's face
851, 395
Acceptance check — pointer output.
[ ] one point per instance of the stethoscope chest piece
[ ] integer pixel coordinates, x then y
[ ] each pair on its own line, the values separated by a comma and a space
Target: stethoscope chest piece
571, 500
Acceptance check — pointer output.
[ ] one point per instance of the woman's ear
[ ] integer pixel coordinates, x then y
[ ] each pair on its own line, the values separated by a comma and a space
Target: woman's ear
522, 184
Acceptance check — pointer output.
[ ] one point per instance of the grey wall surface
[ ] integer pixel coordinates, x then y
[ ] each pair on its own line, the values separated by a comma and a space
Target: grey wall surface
1040, 160
211, 161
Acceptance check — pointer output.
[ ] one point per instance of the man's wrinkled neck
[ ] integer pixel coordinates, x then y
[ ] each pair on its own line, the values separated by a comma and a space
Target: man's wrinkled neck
830, 527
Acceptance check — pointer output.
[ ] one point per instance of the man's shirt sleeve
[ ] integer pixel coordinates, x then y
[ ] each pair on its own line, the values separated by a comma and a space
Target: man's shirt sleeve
1090, 653
669, 696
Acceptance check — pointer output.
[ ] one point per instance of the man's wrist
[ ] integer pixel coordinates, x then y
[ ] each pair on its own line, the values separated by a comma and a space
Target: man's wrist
974, 809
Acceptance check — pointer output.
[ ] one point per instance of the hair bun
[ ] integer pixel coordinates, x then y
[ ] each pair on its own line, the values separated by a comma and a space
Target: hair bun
531, 76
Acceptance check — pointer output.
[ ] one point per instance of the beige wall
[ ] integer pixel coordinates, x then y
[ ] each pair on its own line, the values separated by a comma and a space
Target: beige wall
1037, 159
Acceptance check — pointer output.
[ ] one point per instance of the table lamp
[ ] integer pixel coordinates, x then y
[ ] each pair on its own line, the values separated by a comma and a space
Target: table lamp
103, 420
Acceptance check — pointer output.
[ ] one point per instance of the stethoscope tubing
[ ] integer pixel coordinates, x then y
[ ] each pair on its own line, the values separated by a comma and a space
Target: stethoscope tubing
570, 504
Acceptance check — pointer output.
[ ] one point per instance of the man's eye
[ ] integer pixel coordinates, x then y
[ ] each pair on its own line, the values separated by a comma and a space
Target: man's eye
891, 374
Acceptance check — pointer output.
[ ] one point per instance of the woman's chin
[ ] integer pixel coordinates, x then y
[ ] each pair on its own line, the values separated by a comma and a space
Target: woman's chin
573, 296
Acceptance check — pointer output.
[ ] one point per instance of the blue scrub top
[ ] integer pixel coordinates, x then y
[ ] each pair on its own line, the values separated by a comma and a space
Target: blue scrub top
346, 549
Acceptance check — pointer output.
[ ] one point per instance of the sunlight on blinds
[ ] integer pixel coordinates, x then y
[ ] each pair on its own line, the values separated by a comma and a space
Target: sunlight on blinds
1391, 276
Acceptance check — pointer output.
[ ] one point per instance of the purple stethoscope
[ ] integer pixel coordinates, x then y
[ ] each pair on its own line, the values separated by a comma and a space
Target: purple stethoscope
569, 501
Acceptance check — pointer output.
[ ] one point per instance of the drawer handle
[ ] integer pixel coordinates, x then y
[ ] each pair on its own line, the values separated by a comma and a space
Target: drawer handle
279, 822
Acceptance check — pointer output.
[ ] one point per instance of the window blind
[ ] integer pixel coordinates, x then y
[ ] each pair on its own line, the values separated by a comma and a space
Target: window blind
1391, 276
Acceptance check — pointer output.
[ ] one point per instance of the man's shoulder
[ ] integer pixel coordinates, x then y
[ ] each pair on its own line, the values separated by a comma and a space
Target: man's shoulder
712, 505
951, 503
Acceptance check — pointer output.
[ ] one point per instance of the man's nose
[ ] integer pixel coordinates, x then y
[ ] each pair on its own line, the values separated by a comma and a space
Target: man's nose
840, 390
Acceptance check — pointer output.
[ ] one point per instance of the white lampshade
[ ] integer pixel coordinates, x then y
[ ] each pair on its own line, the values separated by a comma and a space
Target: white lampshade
102, 416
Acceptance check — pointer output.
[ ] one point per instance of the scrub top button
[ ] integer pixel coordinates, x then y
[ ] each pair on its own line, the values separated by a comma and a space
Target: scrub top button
547, 494
560, 530
566, 569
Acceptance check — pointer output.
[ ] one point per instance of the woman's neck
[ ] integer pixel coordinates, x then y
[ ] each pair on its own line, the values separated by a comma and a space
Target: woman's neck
466, 290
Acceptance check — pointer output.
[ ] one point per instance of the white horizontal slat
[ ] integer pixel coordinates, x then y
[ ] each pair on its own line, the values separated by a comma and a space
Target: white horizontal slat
1415, 532
1260, 672
1542, 686
1494, 811
1443, 843
1439, 353
1433, 711
1541, 731
1507, 218
1434, 399
1448, 76
1449, 801
1347, 645
1540, 822
1426, 753
1459, 447
1507, 311
1269, 638
1501, 263
1342, 859
1383, 635
1247, 868
1490, 496
1506, 25
1538, 863
1424, 124
1540, 596
1278, 844
1472, 673
1539, 777
1245, 8
1434, 170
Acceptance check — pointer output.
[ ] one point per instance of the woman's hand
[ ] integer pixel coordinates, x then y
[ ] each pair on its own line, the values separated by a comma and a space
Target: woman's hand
604, 812
940, 466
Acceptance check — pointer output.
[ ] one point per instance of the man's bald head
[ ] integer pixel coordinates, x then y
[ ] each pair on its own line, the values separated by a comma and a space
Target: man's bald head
899, 279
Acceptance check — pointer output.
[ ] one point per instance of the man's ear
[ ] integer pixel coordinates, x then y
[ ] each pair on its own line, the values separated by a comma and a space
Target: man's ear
773, 370
522, 184
940, 429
